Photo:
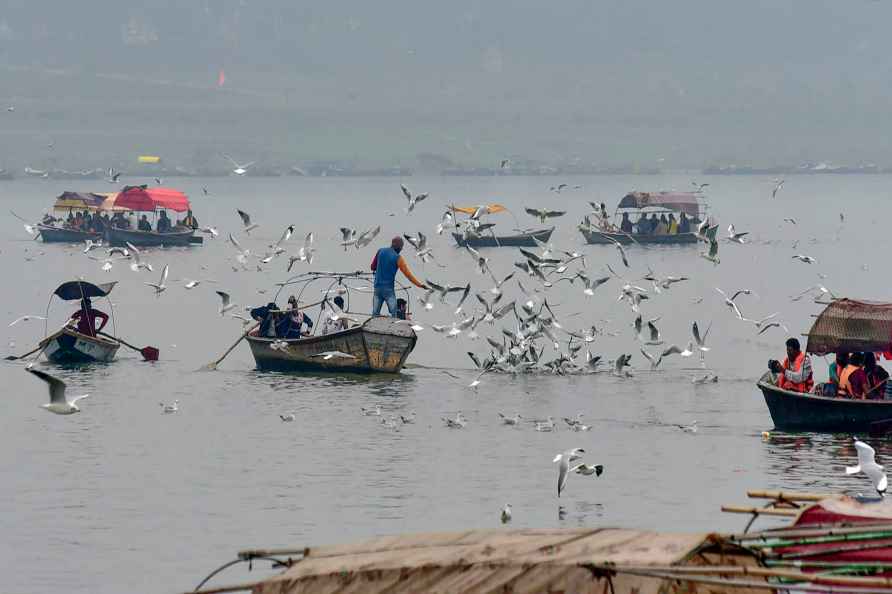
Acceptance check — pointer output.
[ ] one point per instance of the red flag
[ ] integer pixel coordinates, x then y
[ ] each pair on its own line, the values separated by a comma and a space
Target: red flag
221, 78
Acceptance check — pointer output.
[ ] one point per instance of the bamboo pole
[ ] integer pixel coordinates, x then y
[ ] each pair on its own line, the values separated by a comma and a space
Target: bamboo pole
817, 530
761, 511
788, 495
255, 553
830, 551
853, 536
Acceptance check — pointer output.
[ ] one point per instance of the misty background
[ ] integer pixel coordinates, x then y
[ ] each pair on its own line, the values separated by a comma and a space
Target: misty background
677, 84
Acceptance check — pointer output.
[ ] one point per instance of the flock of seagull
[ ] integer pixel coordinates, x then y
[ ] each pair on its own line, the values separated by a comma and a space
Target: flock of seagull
529, 324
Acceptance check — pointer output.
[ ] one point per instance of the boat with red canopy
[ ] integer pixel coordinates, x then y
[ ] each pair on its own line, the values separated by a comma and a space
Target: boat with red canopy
647, 204
845, 325
152, 199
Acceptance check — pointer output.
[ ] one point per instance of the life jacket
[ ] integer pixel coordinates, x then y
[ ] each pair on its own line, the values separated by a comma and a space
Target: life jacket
786, 384
845, 386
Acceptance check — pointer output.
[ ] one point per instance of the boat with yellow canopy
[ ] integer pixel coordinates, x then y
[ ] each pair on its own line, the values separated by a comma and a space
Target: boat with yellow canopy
475, 233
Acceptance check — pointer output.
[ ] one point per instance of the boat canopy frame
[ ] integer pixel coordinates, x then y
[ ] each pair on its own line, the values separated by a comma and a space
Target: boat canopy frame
692, 204
336, 280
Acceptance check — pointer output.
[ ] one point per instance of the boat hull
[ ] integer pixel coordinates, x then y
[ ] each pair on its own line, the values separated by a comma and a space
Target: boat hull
57, 235
521, 240
69, 346
121, 237
792, 411
381, 345
601, 238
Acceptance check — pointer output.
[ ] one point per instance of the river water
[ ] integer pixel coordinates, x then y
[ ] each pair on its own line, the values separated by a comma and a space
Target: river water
123, 497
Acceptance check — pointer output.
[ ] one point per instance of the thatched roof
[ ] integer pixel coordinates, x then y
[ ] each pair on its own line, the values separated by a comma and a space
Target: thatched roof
851, 326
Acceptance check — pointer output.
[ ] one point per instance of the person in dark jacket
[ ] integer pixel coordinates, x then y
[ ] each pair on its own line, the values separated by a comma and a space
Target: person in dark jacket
269, 318
144, 224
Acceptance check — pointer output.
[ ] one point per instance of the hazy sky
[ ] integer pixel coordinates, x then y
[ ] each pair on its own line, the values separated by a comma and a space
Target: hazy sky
691, 81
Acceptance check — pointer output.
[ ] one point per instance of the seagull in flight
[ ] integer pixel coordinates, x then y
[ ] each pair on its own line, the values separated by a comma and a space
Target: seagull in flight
160, 287
544, 214
59, 403
137, 263
25, 319
564, 467
225, 302
778, 183
804, 258
413, 200
867, 464
246, 221
736, 237
239, 169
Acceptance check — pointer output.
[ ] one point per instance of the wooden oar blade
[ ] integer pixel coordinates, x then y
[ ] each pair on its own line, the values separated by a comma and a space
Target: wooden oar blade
150, 353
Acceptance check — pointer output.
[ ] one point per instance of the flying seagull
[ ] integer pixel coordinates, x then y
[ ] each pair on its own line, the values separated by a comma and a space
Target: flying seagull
564, 468
544, 214
867, 464
160, 287
413, 200
246, 221
59, 403
777, 186
238, 169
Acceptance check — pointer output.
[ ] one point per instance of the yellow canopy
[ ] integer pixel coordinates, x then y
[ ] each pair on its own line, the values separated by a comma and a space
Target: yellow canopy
490, 208
152, 159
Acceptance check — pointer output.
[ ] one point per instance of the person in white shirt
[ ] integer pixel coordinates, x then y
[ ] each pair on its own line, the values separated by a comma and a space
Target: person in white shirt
330, 326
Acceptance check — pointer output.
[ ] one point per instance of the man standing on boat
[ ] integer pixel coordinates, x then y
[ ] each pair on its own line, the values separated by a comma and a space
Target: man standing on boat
385, 265
795, 373
86, 318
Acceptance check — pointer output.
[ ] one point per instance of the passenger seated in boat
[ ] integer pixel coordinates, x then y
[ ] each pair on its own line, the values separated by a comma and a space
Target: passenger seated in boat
626, 224
190, 221
662, 227
654, 222
831, 388
402, 309
86, 318
163, 225
330, 326
266, 315
853, 379
673, 225
294, 321
876, 377
684, 224
49, 220
144, 224
795, 373
118, 221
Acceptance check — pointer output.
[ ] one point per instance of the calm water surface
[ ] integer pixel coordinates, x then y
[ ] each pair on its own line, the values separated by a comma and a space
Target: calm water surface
125, 497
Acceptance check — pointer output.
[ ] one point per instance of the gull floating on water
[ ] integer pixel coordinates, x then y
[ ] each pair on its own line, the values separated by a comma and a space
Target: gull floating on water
59, 403
171, 407
287, 418
514, 421
372, 412
867, 464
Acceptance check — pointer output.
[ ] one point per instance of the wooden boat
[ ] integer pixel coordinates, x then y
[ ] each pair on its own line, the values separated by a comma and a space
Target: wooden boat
69, 346
527, 239
578, 561
380, 345
793, 411
845, 325
50, 234
177, 237
603, 237
645, 204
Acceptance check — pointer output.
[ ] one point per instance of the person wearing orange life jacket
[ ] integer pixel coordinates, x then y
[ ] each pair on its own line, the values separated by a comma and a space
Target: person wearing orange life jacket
795, 373
853, 379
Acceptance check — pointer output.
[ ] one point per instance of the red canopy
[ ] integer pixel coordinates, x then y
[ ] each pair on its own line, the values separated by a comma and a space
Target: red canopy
142, 198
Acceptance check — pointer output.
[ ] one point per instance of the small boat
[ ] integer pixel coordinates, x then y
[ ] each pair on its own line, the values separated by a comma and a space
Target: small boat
177, 237
526, 239
380, 345
152, 199
51, 234
845, 325
645, 204
67, 345
794, 411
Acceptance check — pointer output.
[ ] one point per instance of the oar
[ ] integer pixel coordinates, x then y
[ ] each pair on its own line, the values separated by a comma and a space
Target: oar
16, 358
148, 353
213, 365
